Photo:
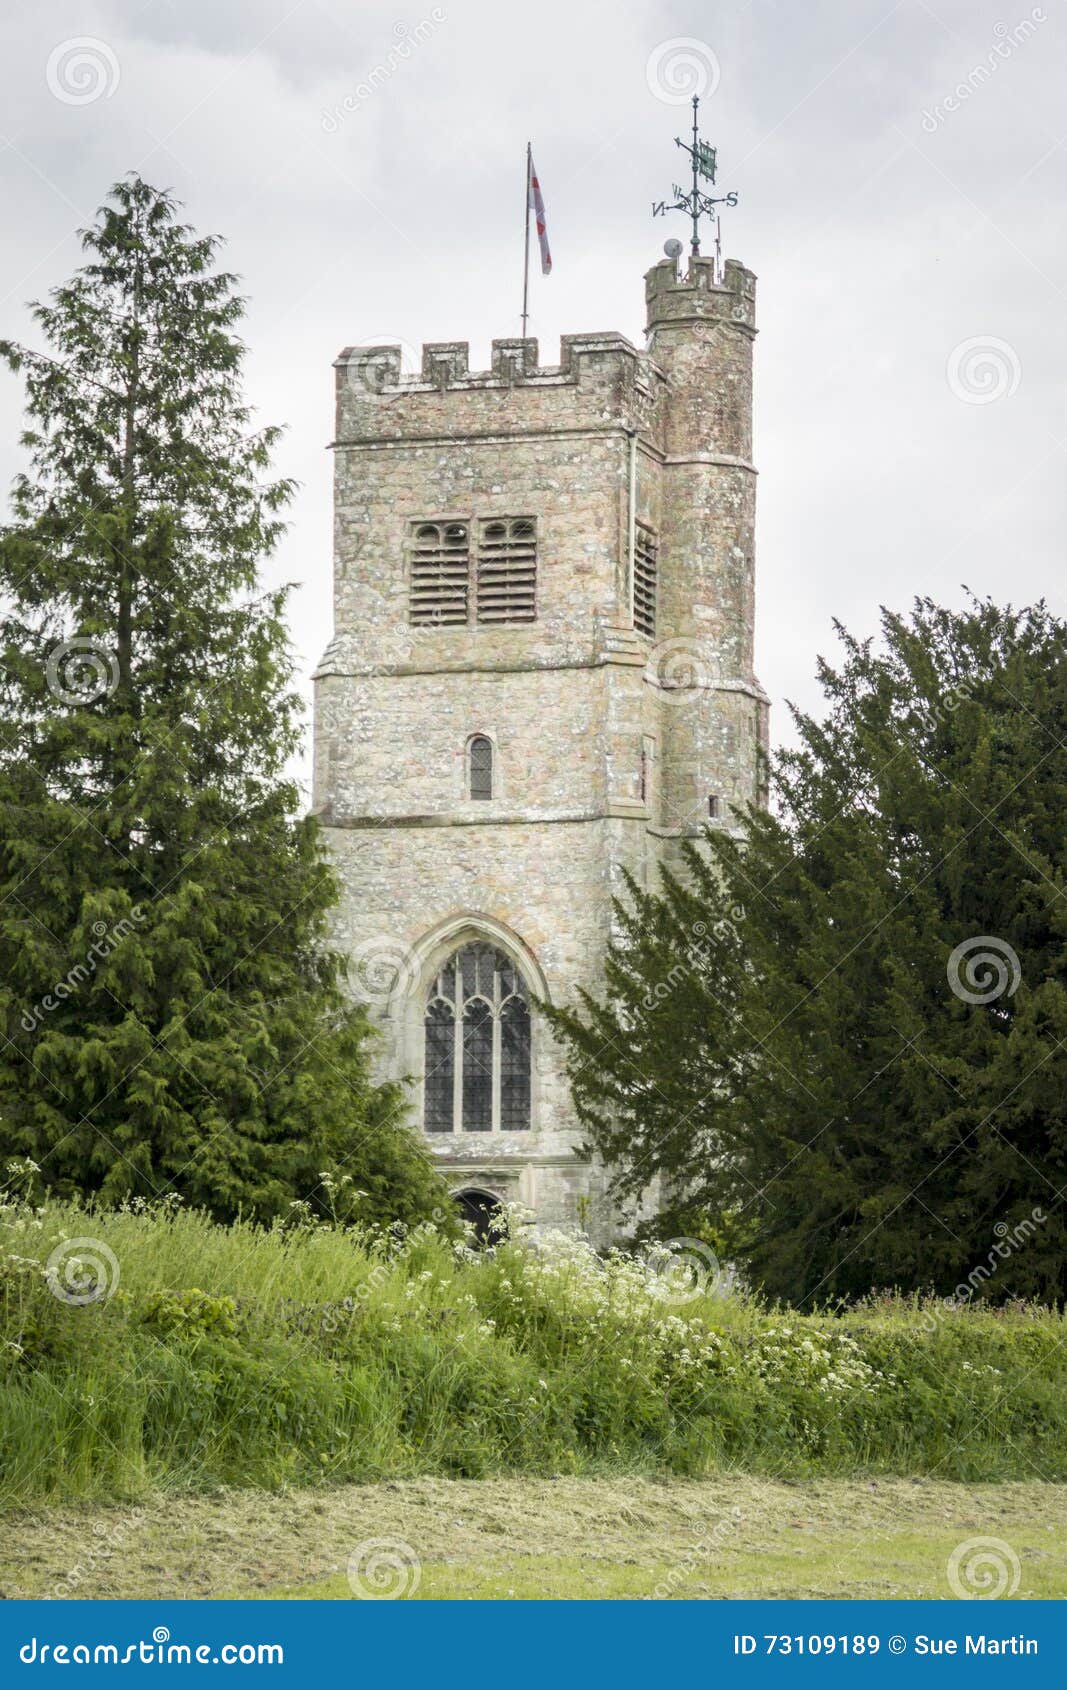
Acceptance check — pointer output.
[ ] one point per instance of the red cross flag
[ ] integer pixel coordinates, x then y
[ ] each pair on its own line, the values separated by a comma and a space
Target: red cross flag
536, 204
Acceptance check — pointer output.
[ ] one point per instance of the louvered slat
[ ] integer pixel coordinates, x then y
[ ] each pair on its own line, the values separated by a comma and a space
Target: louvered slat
440, 570
645, 582
507, 571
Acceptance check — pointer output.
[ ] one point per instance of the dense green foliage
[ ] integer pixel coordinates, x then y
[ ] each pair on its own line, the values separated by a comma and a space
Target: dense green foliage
841, 1036
160, 1349
172, 1017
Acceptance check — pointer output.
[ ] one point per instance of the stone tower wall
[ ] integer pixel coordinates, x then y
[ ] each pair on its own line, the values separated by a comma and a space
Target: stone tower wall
602, 763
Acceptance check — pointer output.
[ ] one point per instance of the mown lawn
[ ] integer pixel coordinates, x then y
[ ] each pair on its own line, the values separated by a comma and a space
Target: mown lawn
568, 1538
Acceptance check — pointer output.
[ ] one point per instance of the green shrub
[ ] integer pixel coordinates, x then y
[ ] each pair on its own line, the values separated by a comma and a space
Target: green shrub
171, 1351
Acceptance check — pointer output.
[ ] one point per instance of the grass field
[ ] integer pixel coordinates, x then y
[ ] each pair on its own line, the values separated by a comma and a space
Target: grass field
568, 1538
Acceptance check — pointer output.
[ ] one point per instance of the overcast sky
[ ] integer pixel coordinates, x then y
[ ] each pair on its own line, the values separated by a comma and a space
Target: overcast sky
901, 172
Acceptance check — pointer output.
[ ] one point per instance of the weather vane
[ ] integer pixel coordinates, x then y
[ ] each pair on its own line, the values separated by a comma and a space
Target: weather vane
693, 201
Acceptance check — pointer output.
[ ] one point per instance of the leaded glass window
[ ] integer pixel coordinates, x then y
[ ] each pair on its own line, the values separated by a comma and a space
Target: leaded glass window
478, 1045
440, 1066
481, 766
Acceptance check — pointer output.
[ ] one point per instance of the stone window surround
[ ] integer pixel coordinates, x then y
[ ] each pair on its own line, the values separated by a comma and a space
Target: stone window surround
475, 524
428, 956
464, 793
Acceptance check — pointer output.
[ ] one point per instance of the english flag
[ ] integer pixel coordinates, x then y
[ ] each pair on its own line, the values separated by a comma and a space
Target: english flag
536, 204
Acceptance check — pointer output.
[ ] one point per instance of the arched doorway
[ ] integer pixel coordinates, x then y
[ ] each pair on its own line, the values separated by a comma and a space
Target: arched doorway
482, 1210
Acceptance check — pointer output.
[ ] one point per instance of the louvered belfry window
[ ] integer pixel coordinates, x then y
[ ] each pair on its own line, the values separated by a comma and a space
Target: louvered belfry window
507, 570
645, 581
504, 584
440, 573
478, 1046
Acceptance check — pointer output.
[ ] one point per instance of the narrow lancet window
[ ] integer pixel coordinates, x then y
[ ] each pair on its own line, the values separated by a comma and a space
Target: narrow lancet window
481, 767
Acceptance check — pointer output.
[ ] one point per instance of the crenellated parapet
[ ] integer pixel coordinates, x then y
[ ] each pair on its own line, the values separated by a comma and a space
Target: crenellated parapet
674, 299
600, 378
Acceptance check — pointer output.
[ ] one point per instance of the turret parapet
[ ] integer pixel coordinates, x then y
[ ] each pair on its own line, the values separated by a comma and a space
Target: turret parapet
698, 296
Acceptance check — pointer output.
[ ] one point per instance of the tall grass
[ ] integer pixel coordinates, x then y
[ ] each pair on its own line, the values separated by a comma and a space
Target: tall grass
171, 1352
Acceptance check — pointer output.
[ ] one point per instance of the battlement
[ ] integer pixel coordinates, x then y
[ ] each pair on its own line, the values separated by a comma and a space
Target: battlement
379, 369
697, 296
598, 376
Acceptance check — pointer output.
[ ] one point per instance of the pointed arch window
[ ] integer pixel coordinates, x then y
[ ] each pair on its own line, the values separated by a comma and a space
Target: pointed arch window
478, 1045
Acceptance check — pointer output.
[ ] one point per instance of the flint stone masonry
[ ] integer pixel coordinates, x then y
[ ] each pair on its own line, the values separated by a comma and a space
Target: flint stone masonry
608, 743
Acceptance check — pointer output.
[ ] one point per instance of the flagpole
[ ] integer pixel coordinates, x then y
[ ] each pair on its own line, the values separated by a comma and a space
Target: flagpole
526, 242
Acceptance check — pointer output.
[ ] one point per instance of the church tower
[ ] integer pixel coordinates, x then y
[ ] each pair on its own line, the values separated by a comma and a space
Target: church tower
541, 674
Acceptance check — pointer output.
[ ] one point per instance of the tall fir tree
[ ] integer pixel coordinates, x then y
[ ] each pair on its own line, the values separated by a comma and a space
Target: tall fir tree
173, 1018
840, 1037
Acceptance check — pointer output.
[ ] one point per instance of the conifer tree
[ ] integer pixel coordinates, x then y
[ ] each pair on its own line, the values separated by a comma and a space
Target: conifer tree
173, 1018
840, 1036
